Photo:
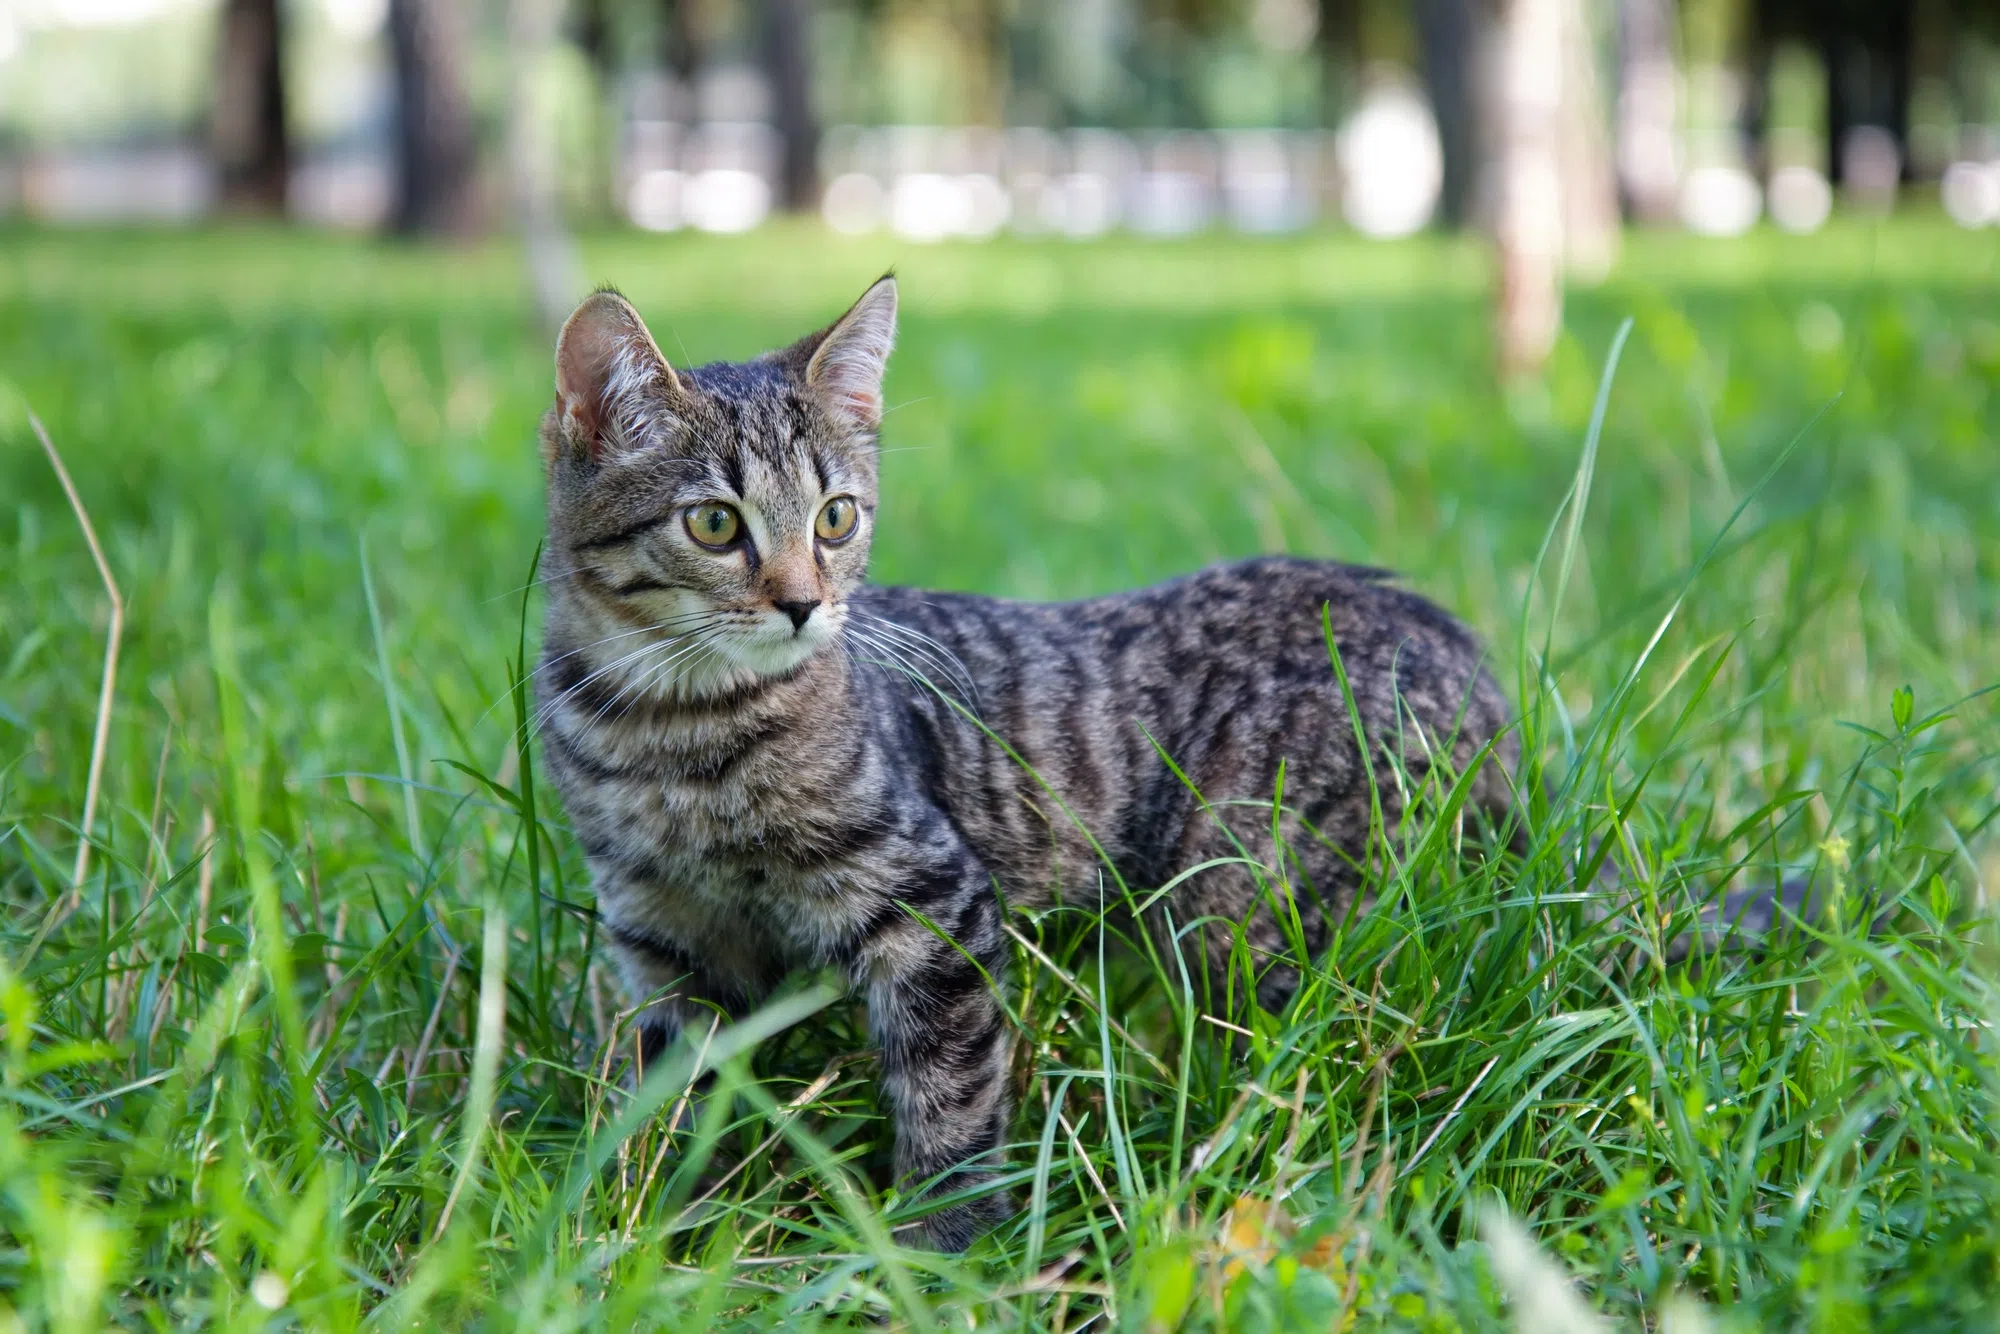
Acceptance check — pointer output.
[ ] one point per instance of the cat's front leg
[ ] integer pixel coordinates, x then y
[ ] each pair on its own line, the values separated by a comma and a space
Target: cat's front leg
679, 987
934, 1008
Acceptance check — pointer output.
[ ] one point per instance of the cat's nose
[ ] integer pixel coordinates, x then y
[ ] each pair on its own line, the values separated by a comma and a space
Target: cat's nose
798, 611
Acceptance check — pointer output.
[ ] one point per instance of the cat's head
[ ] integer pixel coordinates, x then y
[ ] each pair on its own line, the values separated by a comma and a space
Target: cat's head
728, 507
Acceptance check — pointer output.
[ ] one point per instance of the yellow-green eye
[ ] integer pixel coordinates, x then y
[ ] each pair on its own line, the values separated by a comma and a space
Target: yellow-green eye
713, 524
836, 519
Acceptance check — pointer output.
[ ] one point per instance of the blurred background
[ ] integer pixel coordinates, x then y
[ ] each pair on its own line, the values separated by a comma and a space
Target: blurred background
1539, 122
963, 117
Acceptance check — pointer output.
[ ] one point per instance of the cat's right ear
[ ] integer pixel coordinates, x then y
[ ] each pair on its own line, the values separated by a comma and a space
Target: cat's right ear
849, 359
611, 381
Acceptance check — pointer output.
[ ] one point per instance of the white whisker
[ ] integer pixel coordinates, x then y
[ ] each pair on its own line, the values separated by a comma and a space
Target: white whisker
541, 667
548, 711
652, 682
669, 623
930, 650
636, 681
900, 659
542, 582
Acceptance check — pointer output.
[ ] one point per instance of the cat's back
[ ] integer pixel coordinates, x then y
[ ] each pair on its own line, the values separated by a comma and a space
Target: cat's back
1265, 618
1227, 671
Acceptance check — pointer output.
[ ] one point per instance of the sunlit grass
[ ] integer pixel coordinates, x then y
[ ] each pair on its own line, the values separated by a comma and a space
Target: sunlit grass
331, 920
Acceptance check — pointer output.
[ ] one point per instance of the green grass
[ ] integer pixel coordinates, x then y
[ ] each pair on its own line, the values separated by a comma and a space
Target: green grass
321, 1030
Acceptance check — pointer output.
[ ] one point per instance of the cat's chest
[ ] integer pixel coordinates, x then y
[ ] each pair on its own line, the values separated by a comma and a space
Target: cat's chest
741, 894
737, 842
699, 780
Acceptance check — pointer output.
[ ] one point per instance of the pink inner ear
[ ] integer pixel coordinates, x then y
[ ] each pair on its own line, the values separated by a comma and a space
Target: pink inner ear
579, 419
847, 365
579, 416
604, 360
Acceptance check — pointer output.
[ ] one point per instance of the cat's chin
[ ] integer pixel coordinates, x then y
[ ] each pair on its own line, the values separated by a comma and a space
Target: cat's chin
740, 662
776, 657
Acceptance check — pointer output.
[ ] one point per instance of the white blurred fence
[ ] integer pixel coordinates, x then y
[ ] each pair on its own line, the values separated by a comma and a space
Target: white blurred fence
931, 184
1379, 174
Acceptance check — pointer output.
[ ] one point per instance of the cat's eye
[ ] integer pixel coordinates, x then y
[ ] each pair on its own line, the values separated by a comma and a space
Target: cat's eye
836, 519
714, 524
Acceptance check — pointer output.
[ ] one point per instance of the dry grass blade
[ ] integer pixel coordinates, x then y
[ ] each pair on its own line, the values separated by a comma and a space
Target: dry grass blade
108, 687
1090, 1170
490, 1033
416, 1064
1449, 1116
1062, 975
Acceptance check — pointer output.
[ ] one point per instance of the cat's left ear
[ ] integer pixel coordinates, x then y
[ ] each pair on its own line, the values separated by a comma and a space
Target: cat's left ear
846, 368
611, 381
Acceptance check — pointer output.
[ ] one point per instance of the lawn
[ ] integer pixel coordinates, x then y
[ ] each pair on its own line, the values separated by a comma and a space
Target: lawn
320, 1039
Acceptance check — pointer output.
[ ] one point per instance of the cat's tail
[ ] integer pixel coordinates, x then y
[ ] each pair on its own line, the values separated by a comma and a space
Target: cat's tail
1753, 919
1760, 918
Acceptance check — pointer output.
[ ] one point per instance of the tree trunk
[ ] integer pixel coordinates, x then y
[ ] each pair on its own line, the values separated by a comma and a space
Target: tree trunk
1649, 79
1528, 224
555, 272
1556, 199
983, 29
593, 36
787, 61
1867, 53
597, 165
1589, 181
1337, 40
1449, 36
436, 152
681, 52
252, 148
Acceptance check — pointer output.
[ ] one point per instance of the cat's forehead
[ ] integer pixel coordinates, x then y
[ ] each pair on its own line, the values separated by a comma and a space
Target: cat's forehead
753, 419
748, 405
741, 381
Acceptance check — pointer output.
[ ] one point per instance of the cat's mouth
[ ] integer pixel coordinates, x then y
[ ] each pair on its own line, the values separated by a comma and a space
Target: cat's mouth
779, 640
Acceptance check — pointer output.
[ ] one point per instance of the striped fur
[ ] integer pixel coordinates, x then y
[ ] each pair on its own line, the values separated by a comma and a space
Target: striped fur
758, 792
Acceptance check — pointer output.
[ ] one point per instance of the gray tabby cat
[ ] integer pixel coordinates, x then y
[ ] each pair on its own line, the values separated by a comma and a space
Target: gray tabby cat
755, 794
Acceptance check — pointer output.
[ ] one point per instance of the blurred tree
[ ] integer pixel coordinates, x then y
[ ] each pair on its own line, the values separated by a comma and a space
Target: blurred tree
436, 152
681, 49
1030, 92
1648, 119
1527, 223
982, 27
1589, 180
252, 148
1449, 35
1759, 60
555, 273
1867, 49
787, 61
1554, 199
593, 167
1337, 41
1170, 43
593, 33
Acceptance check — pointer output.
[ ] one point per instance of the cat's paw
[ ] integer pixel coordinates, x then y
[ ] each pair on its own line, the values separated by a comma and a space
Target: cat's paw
956, 1226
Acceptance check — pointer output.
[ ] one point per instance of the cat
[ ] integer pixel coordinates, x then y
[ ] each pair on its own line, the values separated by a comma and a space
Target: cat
756, 792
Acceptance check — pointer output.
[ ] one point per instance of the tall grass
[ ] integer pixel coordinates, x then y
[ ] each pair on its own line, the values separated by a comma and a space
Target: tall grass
324, 1038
